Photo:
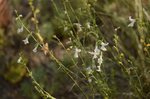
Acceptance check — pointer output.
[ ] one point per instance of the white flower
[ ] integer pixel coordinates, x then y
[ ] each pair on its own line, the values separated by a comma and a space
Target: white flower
100, 59
35, 49
117, 28
77, 51
19, 30
65, 12
132, 22
26, 40
98, 68
19, 60
19, 17
89, 80
103, 48
78, 26
88, 25
95, 53
69, 41
89, 70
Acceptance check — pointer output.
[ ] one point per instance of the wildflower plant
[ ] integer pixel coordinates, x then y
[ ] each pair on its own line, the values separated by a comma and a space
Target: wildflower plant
91, 59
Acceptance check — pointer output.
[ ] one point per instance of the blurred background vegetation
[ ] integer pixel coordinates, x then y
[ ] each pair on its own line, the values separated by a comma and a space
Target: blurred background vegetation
126, 64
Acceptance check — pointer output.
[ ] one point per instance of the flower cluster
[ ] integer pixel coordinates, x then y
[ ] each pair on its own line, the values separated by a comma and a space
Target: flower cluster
97, 54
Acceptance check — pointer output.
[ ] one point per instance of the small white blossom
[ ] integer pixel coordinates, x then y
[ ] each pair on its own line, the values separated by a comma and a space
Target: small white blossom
77, 51
89, 70
26, 40
71, 47
88, 25
116, 29
65, 12
103, 48
95, 53
35, 49
69, 41
132, 22
19, 60
98, 68
19, 17
89, 80
19, 30
100, 59
78, 26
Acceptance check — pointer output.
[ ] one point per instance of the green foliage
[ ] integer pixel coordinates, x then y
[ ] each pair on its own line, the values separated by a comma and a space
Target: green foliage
15, 72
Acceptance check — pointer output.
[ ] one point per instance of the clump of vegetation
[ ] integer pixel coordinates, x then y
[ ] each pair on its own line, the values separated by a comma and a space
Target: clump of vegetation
89, 49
